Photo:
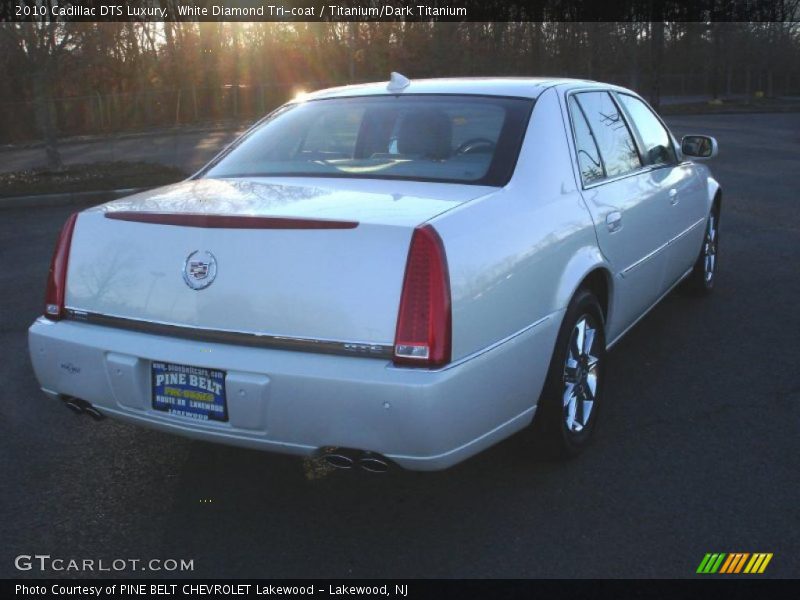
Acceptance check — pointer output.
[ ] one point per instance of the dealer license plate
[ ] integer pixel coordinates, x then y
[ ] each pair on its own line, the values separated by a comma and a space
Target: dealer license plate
186, 391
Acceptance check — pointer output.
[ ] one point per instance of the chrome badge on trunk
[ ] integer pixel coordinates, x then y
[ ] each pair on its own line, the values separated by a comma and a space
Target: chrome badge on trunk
200, 269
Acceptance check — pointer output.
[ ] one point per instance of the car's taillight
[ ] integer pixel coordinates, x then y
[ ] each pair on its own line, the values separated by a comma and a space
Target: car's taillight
424, 320
57, 277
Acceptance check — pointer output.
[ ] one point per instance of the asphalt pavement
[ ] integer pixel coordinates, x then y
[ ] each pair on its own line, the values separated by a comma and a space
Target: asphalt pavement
696, 449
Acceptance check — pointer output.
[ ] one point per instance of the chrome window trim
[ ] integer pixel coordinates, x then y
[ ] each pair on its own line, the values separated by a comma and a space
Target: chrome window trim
637, 136
575, 142
643, 169
239, 338
680, 162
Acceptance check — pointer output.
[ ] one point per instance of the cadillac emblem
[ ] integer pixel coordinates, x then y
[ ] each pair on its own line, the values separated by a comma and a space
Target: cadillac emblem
200, 269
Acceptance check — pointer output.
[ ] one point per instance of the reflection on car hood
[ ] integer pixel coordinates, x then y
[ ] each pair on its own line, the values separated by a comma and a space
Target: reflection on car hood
362, 200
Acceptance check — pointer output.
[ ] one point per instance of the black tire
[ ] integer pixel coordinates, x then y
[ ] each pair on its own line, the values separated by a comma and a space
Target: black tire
700, 282
555, 436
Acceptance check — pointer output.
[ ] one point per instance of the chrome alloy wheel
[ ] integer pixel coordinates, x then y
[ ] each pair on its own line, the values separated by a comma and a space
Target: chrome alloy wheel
710, 248
581, 375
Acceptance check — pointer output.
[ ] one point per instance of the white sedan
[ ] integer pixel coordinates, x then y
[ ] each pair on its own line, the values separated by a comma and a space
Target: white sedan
385, 273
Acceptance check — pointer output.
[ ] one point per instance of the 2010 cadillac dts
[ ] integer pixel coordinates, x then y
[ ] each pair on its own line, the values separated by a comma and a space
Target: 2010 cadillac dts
398, 272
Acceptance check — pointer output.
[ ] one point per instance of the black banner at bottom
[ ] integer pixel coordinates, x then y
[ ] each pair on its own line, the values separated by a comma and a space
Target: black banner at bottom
400, 589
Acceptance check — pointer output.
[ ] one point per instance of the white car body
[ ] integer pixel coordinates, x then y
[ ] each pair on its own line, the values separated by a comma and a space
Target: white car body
303, 322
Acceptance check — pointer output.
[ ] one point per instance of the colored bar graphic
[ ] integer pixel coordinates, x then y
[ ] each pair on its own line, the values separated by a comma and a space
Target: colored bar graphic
728, 564
741, 562
755, 564
716, 565
703, 563
711, 563
734, 562
767, 558
749, 567
732, 558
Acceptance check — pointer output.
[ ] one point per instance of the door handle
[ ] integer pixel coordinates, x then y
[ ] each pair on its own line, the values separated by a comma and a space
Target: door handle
673, 196
614, 221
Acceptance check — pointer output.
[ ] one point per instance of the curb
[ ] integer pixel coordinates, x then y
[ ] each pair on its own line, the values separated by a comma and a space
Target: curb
67, 198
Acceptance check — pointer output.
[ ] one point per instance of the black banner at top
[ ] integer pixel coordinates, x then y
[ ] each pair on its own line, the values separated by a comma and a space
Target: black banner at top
396, 10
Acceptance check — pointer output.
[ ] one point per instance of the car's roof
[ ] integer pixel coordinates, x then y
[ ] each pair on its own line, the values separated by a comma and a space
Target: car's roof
523, 87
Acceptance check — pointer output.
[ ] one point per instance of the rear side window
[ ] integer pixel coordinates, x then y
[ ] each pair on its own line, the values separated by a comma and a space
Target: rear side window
617, 148
588, 156
656, 141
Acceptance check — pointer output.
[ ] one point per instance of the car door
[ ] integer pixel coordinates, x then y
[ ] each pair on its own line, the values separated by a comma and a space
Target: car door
673, 182
628, 213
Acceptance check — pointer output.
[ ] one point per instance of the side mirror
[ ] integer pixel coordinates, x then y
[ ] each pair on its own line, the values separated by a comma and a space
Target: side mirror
699, 146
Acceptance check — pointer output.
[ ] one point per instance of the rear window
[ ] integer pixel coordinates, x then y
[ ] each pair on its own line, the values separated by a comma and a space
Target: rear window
464, 139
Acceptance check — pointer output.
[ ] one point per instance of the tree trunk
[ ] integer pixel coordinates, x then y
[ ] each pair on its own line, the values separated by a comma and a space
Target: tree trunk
716, 57
633, 53
657, 54
44, 117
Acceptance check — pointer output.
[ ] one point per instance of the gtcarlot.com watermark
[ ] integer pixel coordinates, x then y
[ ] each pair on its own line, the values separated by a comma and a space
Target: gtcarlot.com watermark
45, 562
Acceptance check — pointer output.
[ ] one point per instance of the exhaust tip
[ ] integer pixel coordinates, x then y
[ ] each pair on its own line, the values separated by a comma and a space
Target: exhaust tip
348, 458
79, 407
94, 413
74, 405
373, 463
339, 461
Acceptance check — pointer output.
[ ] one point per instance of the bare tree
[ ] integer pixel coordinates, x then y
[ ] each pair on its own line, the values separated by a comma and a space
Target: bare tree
41, 44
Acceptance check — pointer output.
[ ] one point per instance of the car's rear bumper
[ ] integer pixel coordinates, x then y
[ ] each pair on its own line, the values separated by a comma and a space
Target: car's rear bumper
298, 402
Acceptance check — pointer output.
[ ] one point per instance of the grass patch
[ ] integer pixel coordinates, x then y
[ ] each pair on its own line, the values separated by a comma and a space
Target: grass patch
88, 178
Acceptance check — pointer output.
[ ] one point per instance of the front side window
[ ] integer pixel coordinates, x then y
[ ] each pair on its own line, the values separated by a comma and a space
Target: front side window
464, 139
617, 148
657, 143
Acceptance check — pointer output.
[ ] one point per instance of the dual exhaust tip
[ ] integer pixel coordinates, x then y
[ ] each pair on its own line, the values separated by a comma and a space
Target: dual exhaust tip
343, 458
81, 407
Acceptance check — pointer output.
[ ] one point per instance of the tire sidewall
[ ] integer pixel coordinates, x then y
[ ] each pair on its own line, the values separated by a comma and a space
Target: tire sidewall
567, 442
709, 285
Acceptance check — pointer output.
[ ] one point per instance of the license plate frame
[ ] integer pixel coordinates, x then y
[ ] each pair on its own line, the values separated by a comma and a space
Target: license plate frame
188, 391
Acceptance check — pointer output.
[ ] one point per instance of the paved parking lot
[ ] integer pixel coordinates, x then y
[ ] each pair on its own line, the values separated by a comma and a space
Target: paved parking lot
697, 449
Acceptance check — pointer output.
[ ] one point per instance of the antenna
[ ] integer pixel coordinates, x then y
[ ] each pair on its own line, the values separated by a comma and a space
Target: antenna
397, 82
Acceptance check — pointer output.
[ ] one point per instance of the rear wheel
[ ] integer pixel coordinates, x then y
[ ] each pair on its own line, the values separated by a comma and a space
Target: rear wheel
573, 390
704, 273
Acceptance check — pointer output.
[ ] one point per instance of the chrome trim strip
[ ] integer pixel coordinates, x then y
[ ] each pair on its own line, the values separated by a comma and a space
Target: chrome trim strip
688, 229
239, 338
662, 247
644, 259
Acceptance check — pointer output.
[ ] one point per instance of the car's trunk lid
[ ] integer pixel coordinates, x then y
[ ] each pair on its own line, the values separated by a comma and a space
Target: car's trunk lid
316, 262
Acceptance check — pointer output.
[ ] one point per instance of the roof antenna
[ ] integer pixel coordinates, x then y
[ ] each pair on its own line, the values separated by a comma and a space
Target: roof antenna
397, 82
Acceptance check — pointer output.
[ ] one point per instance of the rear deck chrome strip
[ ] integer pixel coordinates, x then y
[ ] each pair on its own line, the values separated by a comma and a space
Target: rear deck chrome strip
239, 338
211, 221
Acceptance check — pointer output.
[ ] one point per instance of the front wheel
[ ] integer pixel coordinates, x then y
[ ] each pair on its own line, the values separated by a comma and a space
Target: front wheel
704, 273
573, 391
